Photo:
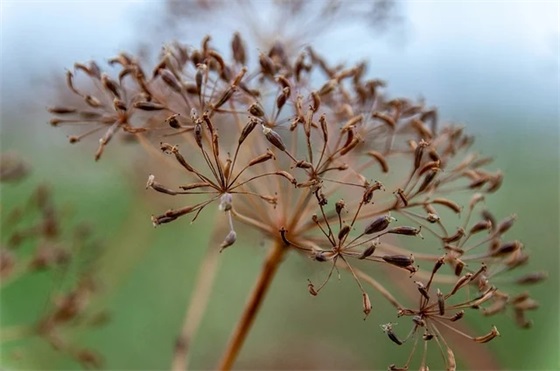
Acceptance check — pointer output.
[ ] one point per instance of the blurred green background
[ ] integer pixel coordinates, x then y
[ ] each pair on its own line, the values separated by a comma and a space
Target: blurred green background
148, 273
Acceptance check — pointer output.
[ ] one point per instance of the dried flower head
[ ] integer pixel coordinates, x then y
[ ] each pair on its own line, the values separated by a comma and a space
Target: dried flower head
319, 161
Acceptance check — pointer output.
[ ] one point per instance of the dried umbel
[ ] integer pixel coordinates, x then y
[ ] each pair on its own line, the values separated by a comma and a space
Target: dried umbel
320, 162
36, 240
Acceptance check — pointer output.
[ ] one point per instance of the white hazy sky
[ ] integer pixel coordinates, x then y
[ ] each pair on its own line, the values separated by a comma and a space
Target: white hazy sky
460, 55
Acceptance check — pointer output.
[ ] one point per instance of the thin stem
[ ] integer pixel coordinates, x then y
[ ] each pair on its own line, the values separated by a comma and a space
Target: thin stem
197, 304
253, 305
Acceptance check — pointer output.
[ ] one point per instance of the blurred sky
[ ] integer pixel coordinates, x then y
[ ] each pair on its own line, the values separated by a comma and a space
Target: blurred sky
490, 57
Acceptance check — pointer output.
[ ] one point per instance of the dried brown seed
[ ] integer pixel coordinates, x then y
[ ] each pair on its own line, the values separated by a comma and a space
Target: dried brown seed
238, 48
267, 65
507, 248
428, 179
481, 226
58, 110
447, 203
93, 101
385, 118
344, 232
173, 122
226, 96
455, 237
388, 329
368, 193
369, 251
229, 240
532, 278
422, 290
316, 99
441, 302
402, 261
379, 224
486, 338
119, 105
170, 80
366, 304
274, 138
149, 106
262, 158
461, 282
380, 160
405, 230
506, 224
256, 109
327, 87
311, 288
457, 316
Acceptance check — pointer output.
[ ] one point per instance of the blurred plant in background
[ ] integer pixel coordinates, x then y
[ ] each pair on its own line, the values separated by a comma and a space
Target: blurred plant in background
38, 240
306, 156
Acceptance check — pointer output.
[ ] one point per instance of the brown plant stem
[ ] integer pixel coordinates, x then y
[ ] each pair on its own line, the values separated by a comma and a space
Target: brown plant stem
253, 305
196, 307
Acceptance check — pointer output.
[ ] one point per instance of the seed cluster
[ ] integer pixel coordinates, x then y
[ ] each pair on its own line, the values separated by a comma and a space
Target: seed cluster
316, 157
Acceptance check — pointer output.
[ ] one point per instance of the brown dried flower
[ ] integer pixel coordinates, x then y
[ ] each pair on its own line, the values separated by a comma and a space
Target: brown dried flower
278, 144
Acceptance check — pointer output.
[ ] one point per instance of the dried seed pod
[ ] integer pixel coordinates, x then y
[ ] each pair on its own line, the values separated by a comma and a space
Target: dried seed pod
461, 282
274, 138
238, 49
481, 226
226, 96
110, 85
369, 251
119, 105
441, 302
262, 158
93, 101
327, 87
286, 175
388, 329
173, 122
506, 224
447, 203
418, 153
380, 160
379, 224
58, 110
171, 215
457, 316
455, 237
428, 179
226, 202
532, 278
385, 118
432, 218
282, 98
344, 232
256, 109
507, 248
368, 193
229, 240
316, 101
366, 303
148, 106
406, 231
311, 288
170, 80
339, 206
422, 289
267, 65
486, 338
402, 261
